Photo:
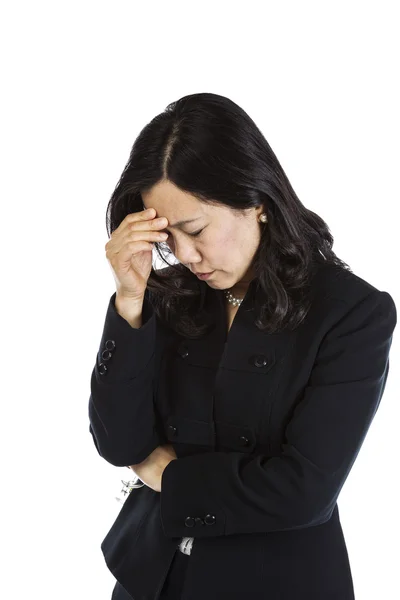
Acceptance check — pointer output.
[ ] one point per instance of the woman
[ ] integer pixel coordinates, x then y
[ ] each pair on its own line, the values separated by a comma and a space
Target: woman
238, 384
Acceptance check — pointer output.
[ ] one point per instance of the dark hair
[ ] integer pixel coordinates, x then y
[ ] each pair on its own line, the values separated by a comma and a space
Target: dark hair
208, 146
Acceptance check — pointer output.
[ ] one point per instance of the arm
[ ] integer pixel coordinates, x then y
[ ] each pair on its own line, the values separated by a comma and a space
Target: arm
246, 494
151, 469
121, 410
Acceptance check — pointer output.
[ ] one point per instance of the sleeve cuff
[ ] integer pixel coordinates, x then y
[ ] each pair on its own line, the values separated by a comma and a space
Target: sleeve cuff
125, 351
189, 508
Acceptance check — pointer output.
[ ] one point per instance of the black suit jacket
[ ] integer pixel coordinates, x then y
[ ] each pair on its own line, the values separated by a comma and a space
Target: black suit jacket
266, 428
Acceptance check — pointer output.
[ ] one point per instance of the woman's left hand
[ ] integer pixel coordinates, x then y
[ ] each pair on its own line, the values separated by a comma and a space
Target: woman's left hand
150, 470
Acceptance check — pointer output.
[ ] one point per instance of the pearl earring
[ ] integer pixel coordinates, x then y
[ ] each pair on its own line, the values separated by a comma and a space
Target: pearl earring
263, 217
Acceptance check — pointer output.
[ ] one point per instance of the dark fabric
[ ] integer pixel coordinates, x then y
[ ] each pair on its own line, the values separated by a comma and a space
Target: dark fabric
173, 585
120, 593
266, 428
135, 549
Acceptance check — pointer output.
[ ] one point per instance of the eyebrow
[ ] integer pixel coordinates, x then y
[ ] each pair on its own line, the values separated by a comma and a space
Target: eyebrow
180, 223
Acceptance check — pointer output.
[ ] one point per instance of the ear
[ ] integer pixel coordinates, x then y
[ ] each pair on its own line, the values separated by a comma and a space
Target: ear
259, 210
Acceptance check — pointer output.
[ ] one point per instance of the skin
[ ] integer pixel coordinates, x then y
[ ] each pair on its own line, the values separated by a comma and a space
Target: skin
150, 470
227, 245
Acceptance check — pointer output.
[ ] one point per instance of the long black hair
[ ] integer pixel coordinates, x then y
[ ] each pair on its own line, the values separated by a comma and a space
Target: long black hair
208, 146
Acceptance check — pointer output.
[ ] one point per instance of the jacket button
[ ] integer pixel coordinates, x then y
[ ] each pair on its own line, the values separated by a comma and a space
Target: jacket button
244, 440
110, 344
189, 522
209, 519
173, 430
106, 355
259, 360
183, 351
102, 369
199, 521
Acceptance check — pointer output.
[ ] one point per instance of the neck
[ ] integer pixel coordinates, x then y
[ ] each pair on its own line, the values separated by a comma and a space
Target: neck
238, 293
239, 289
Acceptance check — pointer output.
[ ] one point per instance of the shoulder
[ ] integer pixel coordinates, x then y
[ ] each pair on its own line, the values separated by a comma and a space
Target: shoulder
341, 292
338, 284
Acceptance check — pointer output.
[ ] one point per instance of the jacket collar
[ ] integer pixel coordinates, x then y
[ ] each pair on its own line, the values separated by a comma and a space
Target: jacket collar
243, 345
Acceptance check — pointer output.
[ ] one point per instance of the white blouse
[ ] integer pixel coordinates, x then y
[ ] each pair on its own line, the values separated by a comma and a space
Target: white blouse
185, 546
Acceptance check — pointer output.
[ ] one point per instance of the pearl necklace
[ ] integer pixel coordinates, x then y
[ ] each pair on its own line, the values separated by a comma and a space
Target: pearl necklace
231, 298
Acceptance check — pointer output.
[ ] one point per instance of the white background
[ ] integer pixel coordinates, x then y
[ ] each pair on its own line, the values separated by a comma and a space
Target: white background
79, 81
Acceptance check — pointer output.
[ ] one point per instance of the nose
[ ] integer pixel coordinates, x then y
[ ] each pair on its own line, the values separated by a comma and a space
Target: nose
185, 253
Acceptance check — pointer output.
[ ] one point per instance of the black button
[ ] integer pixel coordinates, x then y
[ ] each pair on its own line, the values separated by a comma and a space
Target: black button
110, 345
199, 521
183, 351
106, 355
209, 519
173, 430
244, 441
189, 522
102, 369
259, 360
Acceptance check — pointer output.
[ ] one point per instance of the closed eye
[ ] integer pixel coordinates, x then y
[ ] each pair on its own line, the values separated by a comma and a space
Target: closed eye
195, 234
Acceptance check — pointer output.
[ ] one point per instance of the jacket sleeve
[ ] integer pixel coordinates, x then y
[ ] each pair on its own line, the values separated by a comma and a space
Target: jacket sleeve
123, 422
224, 493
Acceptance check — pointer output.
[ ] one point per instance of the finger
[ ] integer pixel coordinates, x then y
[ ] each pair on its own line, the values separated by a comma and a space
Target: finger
144, 215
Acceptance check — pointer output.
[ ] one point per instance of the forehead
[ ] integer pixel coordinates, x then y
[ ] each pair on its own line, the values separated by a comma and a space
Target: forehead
166, 199
178, 205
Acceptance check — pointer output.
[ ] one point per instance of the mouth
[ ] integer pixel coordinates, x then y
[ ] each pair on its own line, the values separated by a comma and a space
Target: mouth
204, 275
